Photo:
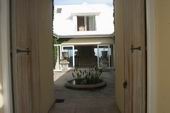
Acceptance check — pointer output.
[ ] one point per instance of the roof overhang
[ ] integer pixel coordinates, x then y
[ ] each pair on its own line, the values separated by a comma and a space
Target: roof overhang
85, 36
85, 13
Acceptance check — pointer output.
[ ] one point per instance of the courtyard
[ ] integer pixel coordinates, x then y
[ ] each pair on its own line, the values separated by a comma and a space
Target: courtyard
85, 101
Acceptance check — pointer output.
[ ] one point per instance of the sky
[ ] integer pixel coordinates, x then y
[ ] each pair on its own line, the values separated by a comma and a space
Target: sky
66, 2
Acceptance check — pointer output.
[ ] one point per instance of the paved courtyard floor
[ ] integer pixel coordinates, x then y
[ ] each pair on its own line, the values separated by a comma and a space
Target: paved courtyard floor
85, 101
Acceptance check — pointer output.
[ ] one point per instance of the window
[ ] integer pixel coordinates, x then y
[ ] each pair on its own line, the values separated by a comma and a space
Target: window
86, 23
59, 10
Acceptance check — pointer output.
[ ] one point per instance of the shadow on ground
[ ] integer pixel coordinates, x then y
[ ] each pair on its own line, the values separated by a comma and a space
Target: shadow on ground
85, 101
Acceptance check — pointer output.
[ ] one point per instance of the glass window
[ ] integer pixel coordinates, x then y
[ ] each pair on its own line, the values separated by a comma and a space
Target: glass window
59, 10
67, 54
86, 23
104, 53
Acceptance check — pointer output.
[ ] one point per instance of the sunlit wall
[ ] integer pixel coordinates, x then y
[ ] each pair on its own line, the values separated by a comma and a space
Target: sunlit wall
1, 98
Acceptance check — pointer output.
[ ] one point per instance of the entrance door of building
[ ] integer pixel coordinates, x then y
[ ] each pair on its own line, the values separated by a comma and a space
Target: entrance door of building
32, 55
21, 56
135, 56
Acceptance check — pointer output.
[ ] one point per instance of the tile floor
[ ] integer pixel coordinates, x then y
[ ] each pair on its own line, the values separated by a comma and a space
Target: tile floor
84, 101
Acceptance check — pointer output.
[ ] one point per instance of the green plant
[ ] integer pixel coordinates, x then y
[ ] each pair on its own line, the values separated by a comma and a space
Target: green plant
87, 76
54, 51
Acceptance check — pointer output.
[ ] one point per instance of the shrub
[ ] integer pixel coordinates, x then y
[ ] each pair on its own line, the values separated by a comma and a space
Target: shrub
87, 76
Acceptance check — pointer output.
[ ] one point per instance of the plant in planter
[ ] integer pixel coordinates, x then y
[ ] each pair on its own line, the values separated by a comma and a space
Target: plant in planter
86, 79
87, 76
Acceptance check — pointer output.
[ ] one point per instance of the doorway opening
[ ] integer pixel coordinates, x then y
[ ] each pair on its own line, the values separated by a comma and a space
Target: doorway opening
83, 40
66, 49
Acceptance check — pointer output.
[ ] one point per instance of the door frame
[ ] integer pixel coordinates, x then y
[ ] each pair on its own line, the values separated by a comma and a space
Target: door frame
151, 52
6, 66
5, 55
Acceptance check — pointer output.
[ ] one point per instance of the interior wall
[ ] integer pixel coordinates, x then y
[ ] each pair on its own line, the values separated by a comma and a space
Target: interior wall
119, 54
1, 87
158, 28
5, 72
162, 56
1, 79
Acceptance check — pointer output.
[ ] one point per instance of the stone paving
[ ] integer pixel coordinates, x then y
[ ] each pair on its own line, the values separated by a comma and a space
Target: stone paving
85, 101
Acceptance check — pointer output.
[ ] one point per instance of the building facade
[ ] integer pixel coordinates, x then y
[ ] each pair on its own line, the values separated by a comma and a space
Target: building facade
86, 35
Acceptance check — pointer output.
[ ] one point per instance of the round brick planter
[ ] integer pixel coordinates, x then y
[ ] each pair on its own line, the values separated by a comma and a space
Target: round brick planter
70, 85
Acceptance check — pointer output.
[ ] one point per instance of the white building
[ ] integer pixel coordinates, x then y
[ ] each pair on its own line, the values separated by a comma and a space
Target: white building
86, 32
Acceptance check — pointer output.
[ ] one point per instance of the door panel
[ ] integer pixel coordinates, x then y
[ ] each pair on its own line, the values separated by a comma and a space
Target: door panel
138, 58
134, 40
21, 57
33, 85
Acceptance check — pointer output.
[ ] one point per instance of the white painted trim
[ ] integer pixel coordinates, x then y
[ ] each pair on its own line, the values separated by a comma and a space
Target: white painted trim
151, 61
98, 56
5, 55
75, 22
73, 56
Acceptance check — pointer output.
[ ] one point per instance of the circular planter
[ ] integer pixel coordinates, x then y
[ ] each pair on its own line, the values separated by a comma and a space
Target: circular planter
70, 85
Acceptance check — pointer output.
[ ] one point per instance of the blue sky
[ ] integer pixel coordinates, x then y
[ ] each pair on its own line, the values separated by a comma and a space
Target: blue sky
64, 2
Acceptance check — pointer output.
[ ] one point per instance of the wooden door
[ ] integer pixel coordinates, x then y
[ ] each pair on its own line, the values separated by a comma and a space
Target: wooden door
33, 85
21, 56
135, 56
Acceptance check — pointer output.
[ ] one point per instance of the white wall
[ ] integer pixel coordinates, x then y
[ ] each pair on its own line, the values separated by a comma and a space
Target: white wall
65, 22
158, 56
5, 72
